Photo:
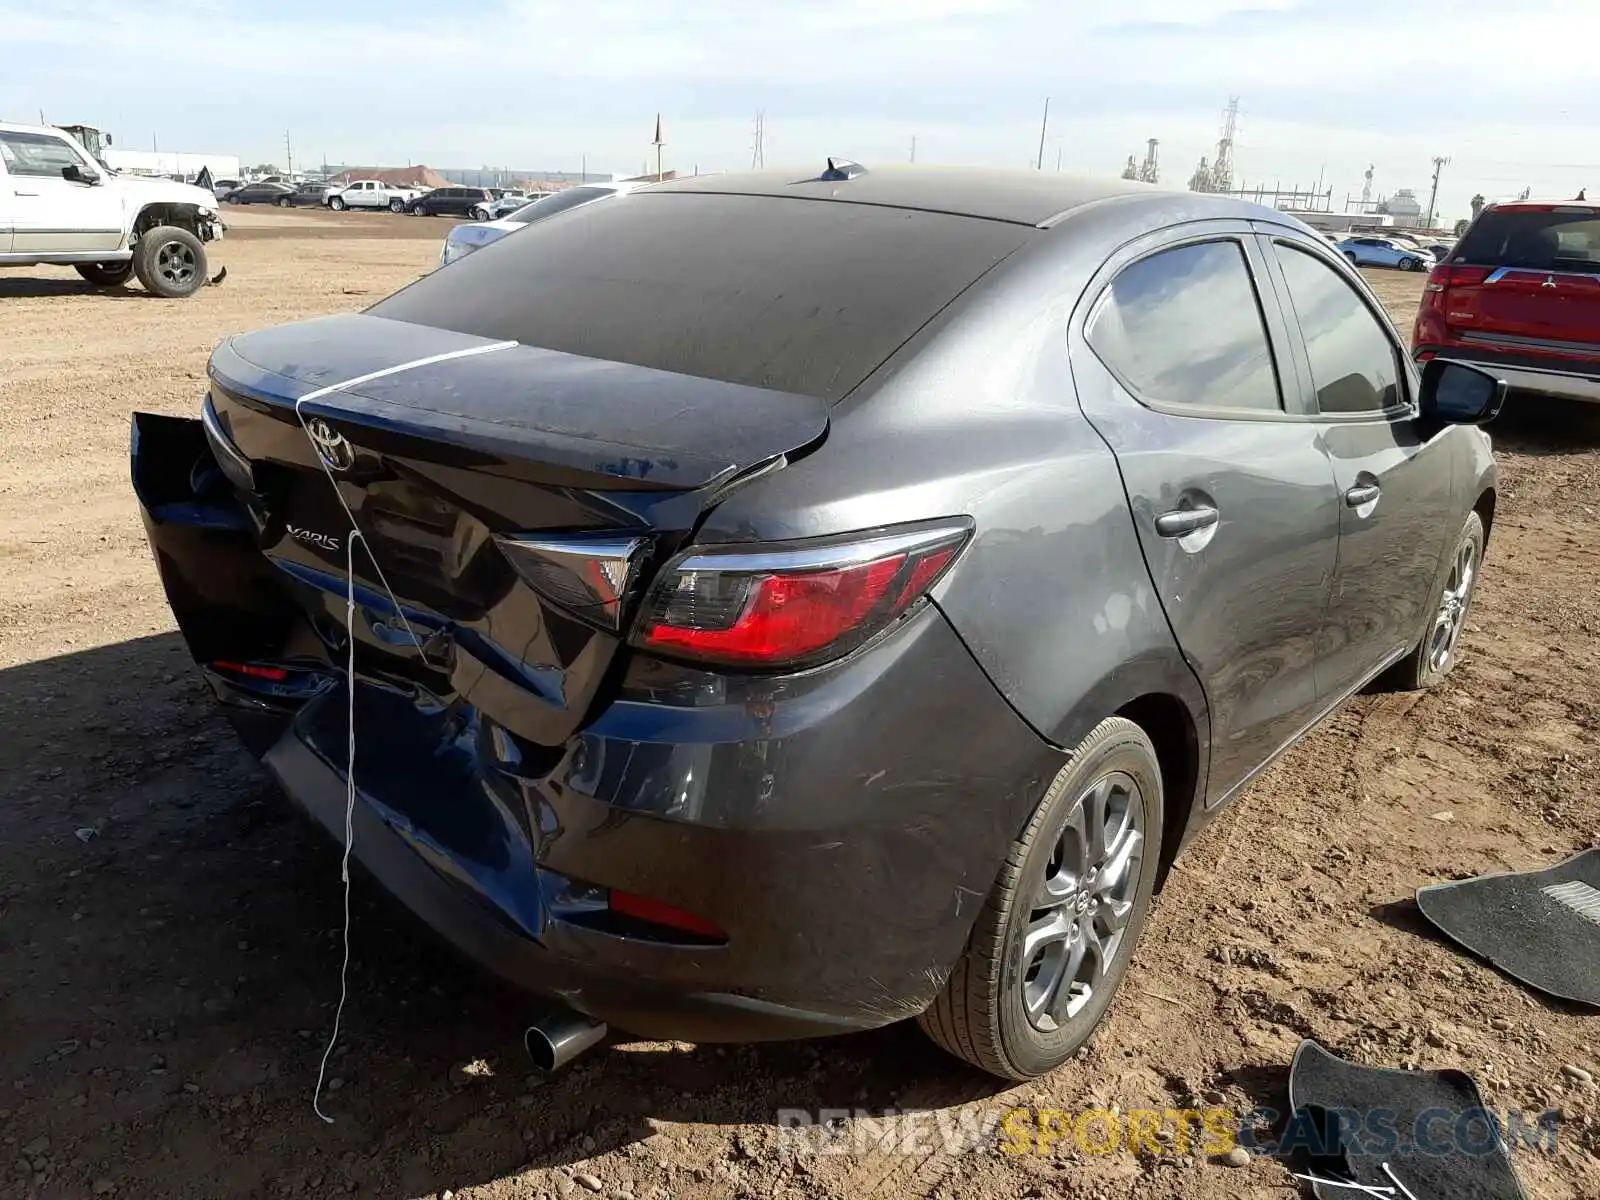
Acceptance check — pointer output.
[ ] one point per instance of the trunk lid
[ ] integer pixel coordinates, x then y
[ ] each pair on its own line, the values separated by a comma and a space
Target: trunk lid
513, 499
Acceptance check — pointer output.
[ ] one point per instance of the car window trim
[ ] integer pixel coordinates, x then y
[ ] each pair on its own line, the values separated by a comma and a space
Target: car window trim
1290, 397
1406, 409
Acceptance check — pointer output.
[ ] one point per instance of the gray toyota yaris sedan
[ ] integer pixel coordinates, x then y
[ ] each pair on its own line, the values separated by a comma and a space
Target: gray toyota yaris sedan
779, 604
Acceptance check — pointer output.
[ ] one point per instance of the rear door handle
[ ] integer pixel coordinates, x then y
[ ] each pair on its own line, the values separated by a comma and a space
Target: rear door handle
1364, 493
24, 193
1181, 522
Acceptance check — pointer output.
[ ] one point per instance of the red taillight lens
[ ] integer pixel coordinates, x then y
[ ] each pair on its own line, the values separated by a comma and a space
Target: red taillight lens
796, 604
656, 912
252, 670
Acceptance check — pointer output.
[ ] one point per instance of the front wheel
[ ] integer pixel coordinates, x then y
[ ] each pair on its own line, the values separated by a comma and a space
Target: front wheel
337, 204
416, 210
170, 262
283, 202
397, 205
1435, 655
1411, 264
1055, 936
1351, 256
479, 214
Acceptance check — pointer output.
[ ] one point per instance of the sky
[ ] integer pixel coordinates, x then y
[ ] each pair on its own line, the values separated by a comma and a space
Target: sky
1326, 89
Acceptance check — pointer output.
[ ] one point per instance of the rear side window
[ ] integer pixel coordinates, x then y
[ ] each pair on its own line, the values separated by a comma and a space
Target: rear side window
560, 202
1353, 363
794, 295
1540, 241
1183, 327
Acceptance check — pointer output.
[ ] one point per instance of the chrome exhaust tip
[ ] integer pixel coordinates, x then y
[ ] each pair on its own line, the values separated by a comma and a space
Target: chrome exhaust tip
557, 1039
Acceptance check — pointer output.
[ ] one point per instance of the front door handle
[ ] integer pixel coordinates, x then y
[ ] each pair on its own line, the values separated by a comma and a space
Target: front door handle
1181, 522
1363, 493
25, 194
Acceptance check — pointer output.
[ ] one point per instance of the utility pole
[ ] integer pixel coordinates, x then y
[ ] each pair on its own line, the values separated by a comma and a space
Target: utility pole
584, 171
913, 147
1440, 161
758, 146
658, 143
288, 155
1058, 158
1043, 125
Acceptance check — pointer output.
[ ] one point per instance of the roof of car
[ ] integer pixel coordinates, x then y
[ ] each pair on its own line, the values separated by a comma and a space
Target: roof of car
1021, 197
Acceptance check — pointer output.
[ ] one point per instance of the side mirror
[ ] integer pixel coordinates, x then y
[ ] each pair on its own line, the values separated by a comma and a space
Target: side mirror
79, 174
1455, 393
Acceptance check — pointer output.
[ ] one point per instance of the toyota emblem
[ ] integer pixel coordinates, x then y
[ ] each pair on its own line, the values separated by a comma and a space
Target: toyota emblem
333, 448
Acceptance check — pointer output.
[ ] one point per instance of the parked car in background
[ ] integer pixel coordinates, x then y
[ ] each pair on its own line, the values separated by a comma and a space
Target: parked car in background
453, 202
221, 187
61, 205
372, 193
1519, 294
308, 195
895, 567
259, 193
506, 203
464, 239
1367, 251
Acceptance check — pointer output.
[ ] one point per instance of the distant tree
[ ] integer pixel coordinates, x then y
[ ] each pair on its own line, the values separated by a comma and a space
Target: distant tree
1477, 205
1461, 227
265, 169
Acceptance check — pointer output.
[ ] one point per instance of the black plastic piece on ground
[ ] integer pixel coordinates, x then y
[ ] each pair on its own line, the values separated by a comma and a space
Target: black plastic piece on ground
1540, 927
1431, 1128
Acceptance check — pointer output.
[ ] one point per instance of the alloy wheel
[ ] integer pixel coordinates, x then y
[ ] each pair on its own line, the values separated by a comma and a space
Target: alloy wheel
1452, 614
1080, 910
175, 263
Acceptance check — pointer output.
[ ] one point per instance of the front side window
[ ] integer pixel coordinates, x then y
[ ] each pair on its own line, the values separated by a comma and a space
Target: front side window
1353, 365
1183, 327
37, 154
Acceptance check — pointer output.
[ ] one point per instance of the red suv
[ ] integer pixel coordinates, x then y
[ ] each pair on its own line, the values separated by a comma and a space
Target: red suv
1520, 295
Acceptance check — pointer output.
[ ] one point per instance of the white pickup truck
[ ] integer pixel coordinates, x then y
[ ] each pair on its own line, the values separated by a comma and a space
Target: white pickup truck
373, 193
58, 204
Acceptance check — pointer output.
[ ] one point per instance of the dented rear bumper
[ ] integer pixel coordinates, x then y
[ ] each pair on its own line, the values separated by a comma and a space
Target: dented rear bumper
841, 826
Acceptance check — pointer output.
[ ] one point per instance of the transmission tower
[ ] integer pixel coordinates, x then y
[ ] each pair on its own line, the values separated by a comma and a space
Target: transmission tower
1222, 168
1131, 171
1150, 170
758, 152
1366, 187
1440, 161
1200, 181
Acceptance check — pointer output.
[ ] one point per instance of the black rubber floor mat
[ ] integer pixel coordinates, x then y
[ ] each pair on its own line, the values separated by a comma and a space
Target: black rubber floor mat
1540, 927
1423, 1132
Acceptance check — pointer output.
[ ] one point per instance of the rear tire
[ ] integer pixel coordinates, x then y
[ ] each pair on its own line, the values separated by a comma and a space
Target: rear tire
1435, 655
416, 210
106, 275
397, 205
170, 262
479, 214
283, 202
1411, 264
1351, 256
1019, 1011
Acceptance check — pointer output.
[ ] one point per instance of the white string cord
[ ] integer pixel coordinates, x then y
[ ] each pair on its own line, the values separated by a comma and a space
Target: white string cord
349, 811
350, 668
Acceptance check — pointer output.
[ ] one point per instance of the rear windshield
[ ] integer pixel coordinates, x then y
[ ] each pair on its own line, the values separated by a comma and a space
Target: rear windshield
1541, 241
795, 295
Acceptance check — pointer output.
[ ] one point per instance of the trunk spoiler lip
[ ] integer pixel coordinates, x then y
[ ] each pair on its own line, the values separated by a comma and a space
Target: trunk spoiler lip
798, 422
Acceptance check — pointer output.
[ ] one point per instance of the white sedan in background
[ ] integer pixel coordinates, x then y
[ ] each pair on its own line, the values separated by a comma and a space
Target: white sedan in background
464, 239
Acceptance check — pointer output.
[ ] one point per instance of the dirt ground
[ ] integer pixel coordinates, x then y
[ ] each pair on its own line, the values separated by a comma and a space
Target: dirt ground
169, 946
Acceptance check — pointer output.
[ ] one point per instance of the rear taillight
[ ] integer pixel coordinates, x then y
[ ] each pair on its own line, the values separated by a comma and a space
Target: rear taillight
252, 670
796, 604
1432, 325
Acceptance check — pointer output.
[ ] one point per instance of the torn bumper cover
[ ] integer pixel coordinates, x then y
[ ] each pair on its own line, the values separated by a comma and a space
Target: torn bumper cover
835, 832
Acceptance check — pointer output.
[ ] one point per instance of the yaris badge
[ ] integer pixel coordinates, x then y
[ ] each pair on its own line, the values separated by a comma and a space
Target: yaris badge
333, 448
